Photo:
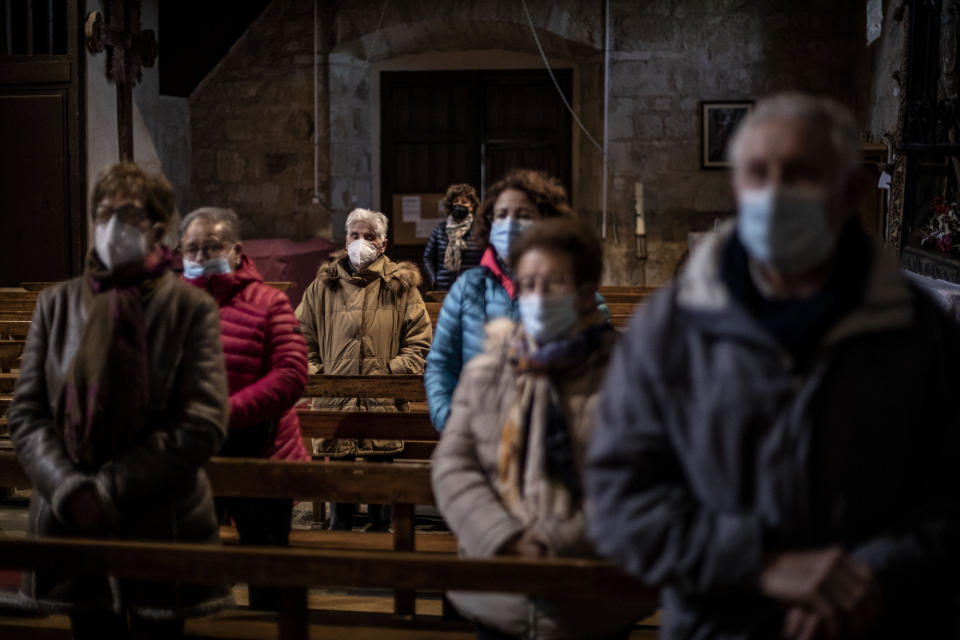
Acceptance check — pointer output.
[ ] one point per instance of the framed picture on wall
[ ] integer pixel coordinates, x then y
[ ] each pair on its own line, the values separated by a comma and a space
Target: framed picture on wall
718, 121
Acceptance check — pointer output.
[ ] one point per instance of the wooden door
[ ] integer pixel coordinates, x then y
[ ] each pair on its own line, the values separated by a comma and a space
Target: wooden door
525, 124
42, 183
445, 127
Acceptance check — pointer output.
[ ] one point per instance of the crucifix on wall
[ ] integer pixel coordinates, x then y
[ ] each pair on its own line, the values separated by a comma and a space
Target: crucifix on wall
128, 50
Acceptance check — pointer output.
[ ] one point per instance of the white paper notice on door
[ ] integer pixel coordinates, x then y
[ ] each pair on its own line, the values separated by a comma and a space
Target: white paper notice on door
425, 227
410, 208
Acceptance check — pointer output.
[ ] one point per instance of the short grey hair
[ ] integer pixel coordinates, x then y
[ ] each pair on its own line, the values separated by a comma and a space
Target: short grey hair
375, 218
824, 116
214, 215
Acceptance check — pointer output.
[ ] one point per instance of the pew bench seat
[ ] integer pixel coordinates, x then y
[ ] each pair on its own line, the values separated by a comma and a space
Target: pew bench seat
356, 540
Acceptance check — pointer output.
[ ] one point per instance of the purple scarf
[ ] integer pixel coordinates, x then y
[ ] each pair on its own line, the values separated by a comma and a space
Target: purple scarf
106, 388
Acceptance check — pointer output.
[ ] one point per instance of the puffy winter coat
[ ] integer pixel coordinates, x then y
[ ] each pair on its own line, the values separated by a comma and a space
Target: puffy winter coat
713, 447
465, 479
266, 364
369, 322
476, 298
438, 277
156, 490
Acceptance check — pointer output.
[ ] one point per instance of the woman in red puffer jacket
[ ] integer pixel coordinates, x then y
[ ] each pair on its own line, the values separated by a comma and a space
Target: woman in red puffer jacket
266, 360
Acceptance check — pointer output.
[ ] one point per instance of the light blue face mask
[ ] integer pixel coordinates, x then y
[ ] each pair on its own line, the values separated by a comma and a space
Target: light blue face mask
505, 232
211, 267
785, 227
547, 318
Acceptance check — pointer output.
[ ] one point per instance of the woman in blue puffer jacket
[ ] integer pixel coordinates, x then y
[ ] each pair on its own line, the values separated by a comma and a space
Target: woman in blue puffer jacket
486, 292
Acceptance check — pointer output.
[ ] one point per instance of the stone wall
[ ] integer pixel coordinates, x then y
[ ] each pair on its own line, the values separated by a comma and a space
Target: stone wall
669, 56
252, 116
252, 129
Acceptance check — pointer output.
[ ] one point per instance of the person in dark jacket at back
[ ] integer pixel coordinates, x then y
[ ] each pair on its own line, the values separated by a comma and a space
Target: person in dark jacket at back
454, 246
776, 446
266, 358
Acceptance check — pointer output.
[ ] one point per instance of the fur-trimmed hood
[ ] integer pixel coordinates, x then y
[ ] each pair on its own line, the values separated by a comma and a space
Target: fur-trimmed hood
398, 275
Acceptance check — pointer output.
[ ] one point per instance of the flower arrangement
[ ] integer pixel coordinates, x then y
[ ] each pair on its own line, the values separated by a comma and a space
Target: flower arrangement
941, 231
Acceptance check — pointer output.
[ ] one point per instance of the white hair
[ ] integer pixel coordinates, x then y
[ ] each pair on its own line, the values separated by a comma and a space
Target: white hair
374, 218
823, 116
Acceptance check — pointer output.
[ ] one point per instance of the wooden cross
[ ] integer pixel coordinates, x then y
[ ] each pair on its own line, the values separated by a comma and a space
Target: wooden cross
130, 49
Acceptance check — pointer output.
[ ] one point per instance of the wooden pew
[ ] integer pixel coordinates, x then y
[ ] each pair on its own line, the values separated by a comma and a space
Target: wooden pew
620, 312
401, 485
408, 387
294, 570
14, 327
610, 293
414, 428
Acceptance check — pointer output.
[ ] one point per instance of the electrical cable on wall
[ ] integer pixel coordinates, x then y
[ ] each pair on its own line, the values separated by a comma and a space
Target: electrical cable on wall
566, 103
316, 106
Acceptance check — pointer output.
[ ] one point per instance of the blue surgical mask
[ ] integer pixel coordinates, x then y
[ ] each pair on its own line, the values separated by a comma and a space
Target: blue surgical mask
785, 227
505, 232
211, 267
547, 318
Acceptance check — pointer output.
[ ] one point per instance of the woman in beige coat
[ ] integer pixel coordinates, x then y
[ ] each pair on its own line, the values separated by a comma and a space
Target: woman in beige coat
508, 471
363, 315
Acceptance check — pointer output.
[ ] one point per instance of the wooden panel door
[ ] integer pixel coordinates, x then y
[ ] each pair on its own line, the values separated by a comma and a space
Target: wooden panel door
440, 128
42, 184
525, 124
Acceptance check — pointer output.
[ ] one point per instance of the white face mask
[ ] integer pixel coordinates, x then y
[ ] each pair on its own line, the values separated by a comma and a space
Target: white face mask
119, 244
362, 253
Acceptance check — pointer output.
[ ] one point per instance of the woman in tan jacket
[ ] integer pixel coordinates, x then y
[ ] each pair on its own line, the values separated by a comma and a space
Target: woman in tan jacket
363, 315
508, 471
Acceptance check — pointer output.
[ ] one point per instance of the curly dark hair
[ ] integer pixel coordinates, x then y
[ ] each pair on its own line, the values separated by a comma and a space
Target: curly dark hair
545, 192
571, 238
454, 191
128, 180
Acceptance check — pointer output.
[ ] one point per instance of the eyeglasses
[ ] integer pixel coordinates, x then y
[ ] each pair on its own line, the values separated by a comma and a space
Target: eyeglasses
127, 214
206, 250
548, 285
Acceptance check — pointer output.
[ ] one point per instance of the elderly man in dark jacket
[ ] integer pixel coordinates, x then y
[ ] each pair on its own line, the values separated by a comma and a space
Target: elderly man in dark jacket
777, 447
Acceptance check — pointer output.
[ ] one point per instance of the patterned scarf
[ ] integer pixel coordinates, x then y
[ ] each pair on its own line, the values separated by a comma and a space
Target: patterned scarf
536, 472
104, 395
456, 242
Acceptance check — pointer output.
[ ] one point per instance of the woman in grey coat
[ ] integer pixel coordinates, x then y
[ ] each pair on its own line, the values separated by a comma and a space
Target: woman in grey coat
507, 472
121, 399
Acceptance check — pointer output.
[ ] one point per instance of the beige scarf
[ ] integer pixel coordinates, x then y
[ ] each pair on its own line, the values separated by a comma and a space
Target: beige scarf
456, 242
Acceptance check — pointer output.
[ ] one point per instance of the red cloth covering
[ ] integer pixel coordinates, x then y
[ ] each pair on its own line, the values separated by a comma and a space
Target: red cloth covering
282, 260
265, 353
489, 260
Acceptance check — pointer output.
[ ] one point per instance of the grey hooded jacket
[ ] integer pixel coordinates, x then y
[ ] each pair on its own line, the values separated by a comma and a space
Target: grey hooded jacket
712, 448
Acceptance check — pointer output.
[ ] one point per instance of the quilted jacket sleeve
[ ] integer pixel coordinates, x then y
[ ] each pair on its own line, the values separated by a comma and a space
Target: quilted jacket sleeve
445, 359
269, 397
415, 341
306, 314
431, 259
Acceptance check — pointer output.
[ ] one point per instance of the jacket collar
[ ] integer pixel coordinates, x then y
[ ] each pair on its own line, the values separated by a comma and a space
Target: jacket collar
491, 261
700, 290
398, 275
